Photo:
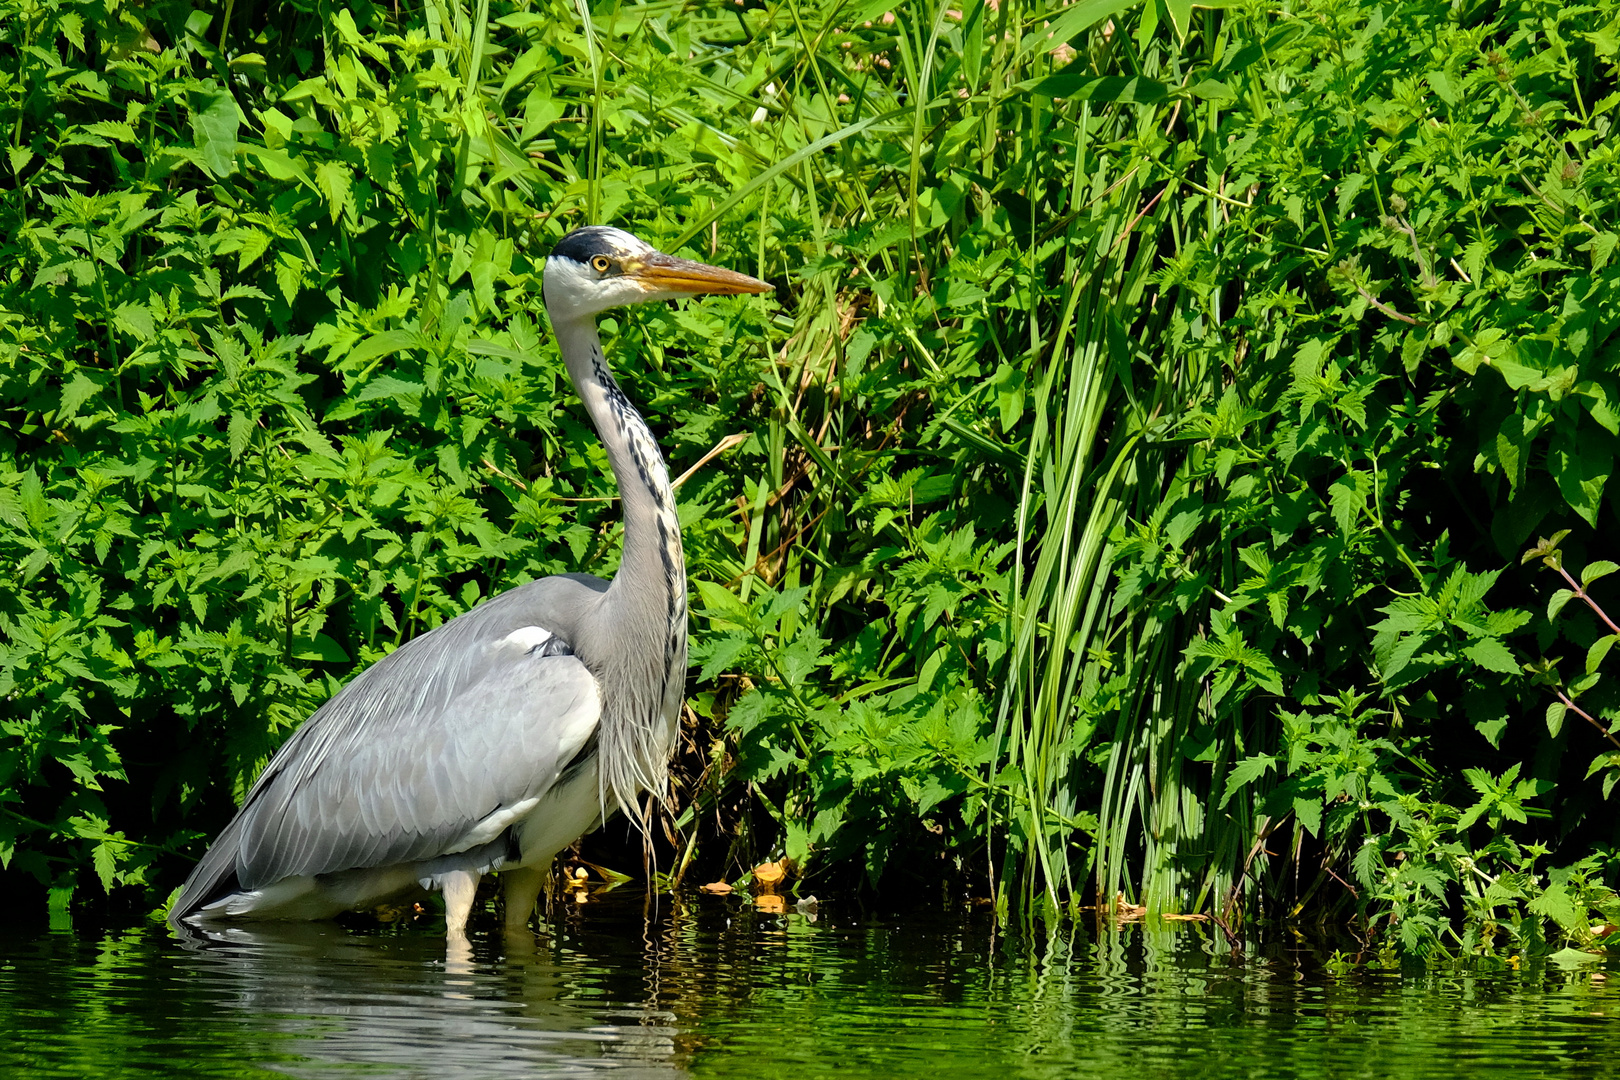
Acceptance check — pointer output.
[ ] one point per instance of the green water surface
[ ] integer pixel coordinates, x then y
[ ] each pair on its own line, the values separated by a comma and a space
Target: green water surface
713, 986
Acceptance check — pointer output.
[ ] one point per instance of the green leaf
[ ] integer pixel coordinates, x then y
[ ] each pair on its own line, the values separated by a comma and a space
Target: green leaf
335, 182
720, 603
1136, 90
1180, 12
254, 243
1075, 18
388, 386
214, 123
1576, 958
106, 865
1212, 90
1556, 904
321, 648
1557, 602
239, 431
723, 655
1555, 718
59, 905
71, 25
1582, 469
1444, 86
796, 842
387, 343
1009, 384
134, 320
1347, 501
1491, 654
76, 392
1599, 651
289, 275
1246, 772
1309, 813
936, 790
1600, 247
1468, 817
1598, 568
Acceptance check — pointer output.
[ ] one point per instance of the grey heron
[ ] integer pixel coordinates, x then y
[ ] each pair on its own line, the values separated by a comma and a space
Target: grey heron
499, 738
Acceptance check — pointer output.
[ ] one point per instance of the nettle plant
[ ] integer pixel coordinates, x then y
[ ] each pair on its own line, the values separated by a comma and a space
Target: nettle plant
277, 392
1413, 298
1589, 628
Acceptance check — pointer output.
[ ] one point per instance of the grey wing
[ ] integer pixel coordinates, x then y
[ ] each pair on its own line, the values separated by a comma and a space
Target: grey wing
431, 751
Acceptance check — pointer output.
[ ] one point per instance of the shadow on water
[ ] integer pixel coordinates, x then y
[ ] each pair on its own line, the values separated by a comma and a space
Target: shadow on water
713, 986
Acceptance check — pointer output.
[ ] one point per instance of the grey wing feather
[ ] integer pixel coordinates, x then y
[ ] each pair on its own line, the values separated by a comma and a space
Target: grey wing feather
402, 795
405, 762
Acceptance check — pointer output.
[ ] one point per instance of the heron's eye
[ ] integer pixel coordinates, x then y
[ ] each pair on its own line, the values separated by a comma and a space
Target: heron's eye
601, 264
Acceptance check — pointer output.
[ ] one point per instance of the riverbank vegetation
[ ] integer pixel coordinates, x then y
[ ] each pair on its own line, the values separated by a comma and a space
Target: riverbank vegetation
1173, 470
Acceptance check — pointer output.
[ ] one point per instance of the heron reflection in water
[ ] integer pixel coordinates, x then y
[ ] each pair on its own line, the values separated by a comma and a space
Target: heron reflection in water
498, 739
324, 1001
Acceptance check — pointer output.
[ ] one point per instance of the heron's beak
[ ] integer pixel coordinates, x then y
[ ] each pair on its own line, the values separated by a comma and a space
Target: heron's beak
662, 273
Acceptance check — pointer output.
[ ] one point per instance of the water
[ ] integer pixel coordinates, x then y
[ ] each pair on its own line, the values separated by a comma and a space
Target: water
715, 987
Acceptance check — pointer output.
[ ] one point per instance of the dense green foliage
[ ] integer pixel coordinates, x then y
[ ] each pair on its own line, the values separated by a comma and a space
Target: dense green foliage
1407, 284
1128, 481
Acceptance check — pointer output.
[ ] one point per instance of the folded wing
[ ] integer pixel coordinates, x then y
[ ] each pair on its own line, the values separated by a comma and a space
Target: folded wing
429, 752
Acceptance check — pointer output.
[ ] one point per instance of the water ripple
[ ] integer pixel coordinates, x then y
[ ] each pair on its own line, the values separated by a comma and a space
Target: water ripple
714, 987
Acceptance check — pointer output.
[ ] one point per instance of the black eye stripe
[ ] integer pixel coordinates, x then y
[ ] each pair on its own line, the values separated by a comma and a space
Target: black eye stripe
581, 244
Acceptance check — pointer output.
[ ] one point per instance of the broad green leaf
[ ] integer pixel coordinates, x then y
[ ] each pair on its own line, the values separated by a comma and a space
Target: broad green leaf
388, 386
1556, 904
214, 123
78, 390
1212, 90
320, 647
723, 654
1599, 652
1581, 469
1180, 12
289, 272
796, 844
1576, 958
386, 344
1556, 602
1598, 568
936, 789
1309, 813
135, 320
1246, 772
104, 858
1468, 817
1348, 498
1491, 654
335, 182
1444, 86
720, 602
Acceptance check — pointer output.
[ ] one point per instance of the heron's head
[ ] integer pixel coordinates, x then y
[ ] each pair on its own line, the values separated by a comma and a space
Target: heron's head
596, 268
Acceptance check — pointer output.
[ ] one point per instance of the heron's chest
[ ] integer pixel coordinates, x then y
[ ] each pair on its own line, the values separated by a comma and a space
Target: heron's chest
568, 811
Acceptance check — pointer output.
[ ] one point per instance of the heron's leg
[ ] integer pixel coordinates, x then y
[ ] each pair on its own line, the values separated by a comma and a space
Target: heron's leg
460, 886
522, 891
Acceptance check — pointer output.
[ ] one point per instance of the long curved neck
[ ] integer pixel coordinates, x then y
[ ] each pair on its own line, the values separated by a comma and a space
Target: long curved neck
638, 652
